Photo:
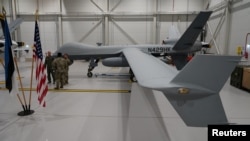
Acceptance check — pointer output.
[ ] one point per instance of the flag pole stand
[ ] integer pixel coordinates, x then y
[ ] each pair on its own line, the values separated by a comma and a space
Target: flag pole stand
26, 112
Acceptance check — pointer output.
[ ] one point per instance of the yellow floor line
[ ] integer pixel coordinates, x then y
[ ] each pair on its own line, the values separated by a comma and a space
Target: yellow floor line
17, 78
79, 90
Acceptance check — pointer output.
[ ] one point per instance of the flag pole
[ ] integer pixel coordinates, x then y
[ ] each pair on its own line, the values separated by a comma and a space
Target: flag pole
20, 81
32, 69
26, 111
20, 102
24, 106
31, 79
2, 63
1, 17
10, 51
42, 86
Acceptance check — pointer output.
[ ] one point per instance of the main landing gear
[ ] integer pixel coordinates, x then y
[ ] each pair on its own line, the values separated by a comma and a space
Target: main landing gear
132, 76
92, 64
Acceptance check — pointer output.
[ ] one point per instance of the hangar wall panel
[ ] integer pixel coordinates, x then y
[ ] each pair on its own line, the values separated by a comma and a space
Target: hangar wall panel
47, 22
221, 44
180, 5
127, 22
235, 27
180, 21
47, 34
135, 5
44, 6
125, 32
240, 25
220, 38
78, 6
78, 31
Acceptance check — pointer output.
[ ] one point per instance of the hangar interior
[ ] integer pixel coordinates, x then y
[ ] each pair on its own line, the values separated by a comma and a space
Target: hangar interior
108, 107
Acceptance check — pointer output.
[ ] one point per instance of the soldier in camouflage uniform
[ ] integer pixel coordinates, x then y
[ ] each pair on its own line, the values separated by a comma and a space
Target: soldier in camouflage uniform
59, 66
66, 75
48, 64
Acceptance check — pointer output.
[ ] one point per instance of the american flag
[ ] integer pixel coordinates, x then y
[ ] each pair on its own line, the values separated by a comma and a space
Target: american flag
42, 86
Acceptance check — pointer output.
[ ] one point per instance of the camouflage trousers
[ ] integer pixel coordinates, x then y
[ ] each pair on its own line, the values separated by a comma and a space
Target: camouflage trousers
66, 77
59, 76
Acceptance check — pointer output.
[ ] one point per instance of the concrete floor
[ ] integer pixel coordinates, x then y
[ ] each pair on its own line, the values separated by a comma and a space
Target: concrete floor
101, 109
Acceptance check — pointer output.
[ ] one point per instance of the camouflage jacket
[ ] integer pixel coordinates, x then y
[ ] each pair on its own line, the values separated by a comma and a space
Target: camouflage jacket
68, 63
59, 64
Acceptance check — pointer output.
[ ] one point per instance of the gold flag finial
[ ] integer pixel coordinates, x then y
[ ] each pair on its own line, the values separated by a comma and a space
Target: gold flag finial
3, 11
2, 15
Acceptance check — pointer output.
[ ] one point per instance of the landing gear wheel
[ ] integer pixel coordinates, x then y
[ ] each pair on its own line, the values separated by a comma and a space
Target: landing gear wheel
133, 79
89, 74
132, 76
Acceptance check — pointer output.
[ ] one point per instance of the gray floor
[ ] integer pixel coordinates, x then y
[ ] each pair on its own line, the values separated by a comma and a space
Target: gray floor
101, 109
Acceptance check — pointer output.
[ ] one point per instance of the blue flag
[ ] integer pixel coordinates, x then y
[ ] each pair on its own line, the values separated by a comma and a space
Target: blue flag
10, 79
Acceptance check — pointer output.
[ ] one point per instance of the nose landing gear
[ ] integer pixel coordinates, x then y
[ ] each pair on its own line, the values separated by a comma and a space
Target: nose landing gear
92, 64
